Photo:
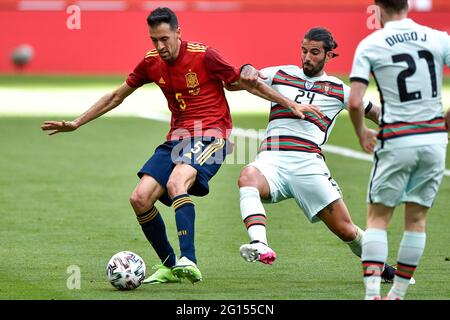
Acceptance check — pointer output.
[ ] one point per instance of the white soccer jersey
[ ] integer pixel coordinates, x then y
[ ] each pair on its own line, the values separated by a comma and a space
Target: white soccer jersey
285, 130
406, 60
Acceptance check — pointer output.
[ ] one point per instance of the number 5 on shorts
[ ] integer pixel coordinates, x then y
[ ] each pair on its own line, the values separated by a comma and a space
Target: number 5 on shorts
197, 147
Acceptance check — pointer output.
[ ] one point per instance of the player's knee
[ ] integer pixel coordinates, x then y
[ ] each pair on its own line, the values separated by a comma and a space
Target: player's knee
175, 187
139, 202
346, 231
246, 178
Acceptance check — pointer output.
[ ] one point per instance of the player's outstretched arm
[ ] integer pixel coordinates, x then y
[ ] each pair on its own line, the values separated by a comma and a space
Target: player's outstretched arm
249, 76
232, 86
106, 103
267, 92
250, 81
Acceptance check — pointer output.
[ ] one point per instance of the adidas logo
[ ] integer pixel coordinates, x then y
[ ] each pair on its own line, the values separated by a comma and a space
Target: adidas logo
161, 81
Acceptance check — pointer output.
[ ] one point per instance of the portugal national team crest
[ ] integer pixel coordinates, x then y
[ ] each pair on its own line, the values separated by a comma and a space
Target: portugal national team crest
326, 88
191, 79
309, 85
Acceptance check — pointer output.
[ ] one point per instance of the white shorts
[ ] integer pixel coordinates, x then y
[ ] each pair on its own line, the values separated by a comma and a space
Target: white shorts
407, 175
299, 175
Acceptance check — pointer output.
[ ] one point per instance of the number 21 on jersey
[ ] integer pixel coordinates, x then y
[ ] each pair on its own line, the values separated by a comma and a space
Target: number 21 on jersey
411, 70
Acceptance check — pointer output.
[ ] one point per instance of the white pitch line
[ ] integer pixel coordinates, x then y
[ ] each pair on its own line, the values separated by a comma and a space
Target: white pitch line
71, 102
244, 133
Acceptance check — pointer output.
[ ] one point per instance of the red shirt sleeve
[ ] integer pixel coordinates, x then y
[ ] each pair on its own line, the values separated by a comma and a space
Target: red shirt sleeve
218, 68
139, 76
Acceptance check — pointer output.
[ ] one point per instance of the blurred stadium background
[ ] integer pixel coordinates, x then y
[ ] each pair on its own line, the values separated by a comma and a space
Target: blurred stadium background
58, 208
113, 34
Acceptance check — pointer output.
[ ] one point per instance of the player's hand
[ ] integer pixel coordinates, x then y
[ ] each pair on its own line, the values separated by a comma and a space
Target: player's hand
250, 75
59, 126
368, 140
261, 75
300, 109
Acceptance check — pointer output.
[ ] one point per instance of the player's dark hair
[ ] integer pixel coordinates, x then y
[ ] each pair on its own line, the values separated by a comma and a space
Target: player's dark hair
393, 5
322, 34
162, 15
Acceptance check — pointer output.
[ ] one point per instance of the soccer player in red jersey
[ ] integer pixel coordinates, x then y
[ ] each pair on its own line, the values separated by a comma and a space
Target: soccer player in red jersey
191, 76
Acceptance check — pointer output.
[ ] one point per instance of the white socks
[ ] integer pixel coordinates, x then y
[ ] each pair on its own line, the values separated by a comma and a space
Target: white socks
253, 214
374, 256
409, 254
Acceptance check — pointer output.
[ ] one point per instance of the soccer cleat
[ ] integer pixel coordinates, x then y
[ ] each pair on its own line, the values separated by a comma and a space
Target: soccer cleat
257, 251
185, 268
388, 274
163, 274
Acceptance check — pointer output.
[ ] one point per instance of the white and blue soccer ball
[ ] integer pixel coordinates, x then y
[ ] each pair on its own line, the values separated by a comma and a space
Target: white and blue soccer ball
125, 270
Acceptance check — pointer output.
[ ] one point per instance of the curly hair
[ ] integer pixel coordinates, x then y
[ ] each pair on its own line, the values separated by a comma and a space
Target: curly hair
322, 34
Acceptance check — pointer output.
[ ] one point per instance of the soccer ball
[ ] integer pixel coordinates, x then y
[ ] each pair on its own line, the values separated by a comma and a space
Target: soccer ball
22, 55
125, 270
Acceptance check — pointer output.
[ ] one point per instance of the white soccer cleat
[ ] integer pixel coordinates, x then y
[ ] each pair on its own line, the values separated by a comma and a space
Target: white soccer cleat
258, 251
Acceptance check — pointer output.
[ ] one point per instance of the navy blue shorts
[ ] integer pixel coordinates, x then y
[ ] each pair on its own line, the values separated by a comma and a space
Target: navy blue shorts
205, 154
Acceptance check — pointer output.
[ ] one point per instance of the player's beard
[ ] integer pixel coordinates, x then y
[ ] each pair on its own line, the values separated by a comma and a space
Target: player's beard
312, 71
166, 56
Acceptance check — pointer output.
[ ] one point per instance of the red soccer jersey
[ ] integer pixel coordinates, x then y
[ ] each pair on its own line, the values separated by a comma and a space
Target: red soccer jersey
193, 87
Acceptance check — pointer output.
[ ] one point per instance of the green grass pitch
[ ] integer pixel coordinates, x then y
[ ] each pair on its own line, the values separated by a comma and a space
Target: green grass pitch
64, 202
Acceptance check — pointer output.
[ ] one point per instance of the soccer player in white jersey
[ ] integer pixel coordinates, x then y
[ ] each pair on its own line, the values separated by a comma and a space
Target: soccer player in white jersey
290, 163
406, 60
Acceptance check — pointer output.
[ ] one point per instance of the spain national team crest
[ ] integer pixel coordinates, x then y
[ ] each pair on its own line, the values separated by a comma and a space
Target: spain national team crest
309, 85
191, 79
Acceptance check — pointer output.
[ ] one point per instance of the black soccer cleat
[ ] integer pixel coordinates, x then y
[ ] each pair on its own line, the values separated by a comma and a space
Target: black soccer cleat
387, 276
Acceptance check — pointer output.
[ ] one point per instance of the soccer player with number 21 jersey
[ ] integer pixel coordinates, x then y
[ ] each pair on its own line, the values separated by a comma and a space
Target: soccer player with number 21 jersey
407, 60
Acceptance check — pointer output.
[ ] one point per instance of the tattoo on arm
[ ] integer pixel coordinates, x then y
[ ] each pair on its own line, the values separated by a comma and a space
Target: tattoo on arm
374, 114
